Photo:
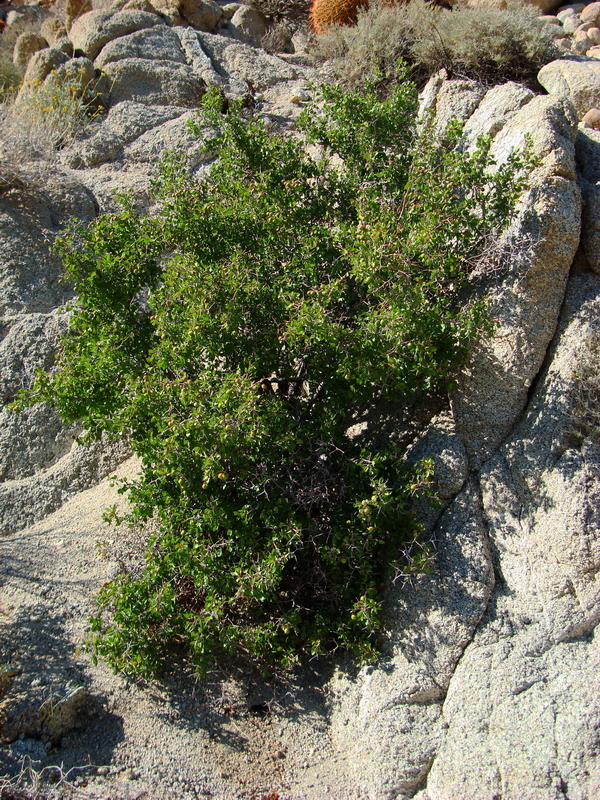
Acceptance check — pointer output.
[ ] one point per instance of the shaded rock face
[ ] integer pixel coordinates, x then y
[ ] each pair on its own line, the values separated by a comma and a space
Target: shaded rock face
40, 464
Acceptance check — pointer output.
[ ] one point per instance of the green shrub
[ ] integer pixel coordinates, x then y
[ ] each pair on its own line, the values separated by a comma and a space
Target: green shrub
237, 337
484, 44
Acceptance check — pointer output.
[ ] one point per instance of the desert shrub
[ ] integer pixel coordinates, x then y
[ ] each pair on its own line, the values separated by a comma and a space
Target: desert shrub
41, 119
486, 44
237, 336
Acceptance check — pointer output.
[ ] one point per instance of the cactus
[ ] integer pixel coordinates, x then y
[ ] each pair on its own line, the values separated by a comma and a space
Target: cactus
331, 12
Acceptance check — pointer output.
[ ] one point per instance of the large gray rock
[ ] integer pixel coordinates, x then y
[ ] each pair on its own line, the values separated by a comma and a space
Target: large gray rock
124, 123
492, 391
523, 702
497, 107
79, 72
238, 62
400, 726
154, 83
447, 100
26, 45
198, 60
30, 273
41, 64
24, 501
248, 25
172, 135
40, 465
160, 43
95, 29
588, 159
578, 80
30, 344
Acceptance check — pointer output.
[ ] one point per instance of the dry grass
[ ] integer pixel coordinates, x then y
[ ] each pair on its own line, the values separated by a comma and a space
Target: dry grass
40, 120
489, 45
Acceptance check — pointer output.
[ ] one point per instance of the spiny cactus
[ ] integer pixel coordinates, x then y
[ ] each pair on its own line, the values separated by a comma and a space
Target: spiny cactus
331, 12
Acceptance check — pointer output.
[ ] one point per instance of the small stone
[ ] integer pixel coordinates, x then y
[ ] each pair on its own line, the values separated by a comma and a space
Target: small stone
229, 9
571, 23
592, 118
131, 774
594, 35
102, 770
550, 19
574, 7
591, 13
299, 97
593, 52
563, 15
581, 36
26, 45
580, 45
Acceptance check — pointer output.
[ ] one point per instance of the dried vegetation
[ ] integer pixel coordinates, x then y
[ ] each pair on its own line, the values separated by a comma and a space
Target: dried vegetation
484, 44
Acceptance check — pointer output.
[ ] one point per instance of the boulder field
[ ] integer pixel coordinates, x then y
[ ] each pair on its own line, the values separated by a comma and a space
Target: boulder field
487, 687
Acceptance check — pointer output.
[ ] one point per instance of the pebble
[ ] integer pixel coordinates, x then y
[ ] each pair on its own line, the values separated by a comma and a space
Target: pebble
591, 13
562, 15
550, 19
299, 97
131, 774
571, 24
229, 9
574, 7
592, 117
581, 36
